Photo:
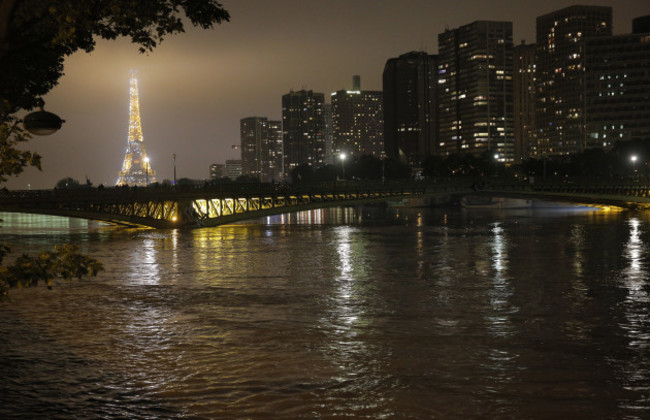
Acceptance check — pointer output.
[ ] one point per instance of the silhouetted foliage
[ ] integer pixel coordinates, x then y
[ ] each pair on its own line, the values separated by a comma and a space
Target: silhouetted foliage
64, 262
302, 173
248, 179
185, 182
396, 169
326, 173
35, 38
366, 167
67, 183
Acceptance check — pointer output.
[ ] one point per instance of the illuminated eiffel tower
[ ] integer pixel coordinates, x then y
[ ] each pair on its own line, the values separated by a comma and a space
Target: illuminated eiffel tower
136, 169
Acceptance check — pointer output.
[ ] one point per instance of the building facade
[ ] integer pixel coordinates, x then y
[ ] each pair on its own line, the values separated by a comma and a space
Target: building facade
357, 121
329, 142
525, 127
233, 168
560, 60
475, 92
303, 125
410, 108
261, 148
618, 87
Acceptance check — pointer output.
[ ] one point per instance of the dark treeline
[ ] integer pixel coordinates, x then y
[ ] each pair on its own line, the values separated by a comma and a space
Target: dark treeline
367, 168
592, 165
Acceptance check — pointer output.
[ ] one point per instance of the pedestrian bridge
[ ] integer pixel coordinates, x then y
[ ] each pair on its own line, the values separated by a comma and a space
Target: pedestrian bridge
161, 207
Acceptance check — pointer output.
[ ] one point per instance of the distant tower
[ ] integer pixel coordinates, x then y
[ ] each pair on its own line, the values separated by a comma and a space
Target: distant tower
136, 169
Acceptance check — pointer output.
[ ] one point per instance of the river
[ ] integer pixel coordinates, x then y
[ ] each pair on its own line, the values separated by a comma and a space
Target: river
350, 312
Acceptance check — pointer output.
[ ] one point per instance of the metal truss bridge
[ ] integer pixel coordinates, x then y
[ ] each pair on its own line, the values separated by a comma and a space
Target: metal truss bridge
167, 207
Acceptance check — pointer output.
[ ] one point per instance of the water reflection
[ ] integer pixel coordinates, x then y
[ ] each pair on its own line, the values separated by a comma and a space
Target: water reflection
365, 313
501, 357
500, 292
637, 316
633, 252
336, 215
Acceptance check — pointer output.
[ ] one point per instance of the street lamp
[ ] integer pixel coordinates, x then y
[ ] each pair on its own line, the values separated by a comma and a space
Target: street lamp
343, 156
42, 123
633, 159
383, 167
146, 170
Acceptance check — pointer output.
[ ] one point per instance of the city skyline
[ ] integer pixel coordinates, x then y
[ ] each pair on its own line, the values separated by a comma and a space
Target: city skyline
195, 87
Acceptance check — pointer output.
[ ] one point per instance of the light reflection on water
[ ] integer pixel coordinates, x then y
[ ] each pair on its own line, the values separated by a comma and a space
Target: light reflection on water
370, 312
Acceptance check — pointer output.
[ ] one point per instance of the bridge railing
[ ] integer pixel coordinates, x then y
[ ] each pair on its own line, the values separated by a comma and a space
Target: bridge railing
570, 188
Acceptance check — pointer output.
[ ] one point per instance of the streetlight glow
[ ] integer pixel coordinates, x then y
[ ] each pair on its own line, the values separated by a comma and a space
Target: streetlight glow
146, 170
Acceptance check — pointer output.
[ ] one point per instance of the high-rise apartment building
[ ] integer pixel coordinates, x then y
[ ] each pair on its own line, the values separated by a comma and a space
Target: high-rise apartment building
329, 148
303, 125
475, 90
618, 87
560, 61
524, 101
357, 121
410, 108
261, 148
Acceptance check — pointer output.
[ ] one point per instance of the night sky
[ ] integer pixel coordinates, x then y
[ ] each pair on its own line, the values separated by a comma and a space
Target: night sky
195, 87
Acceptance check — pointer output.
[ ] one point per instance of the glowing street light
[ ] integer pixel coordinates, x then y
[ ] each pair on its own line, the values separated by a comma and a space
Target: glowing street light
343, 156
633, 159
146, 170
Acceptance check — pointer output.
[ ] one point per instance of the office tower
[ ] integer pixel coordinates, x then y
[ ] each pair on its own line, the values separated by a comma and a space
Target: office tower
233, 168
261, 148
618, 87
410, 115
475, 90
525, 129
303, 125
357, 121
560, 80
217, 170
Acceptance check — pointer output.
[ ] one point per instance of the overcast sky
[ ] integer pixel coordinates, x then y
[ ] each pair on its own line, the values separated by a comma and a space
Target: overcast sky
195, 87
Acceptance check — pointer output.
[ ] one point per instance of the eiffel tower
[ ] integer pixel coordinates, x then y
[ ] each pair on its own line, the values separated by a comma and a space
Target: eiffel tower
136, 169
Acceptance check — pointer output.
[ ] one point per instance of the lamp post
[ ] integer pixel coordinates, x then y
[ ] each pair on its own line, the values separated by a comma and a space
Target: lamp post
174, 156
343, 156
383, 167
633, 159
146, 170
